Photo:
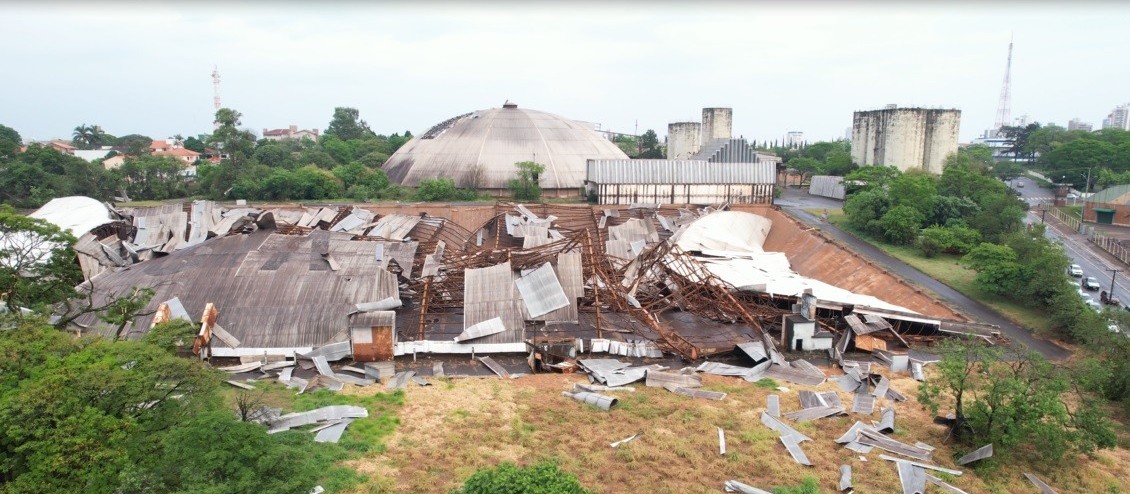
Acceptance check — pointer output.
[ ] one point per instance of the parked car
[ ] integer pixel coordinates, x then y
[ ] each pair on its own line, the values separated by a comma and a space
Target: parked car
1094, 305
1020, 184
1075, 270
1071, 196
1091, 283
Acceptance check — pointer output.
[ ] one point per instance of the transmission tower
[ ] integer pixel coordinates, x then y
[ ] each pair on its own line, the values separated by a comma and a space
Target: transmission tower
216, 93
1004, 108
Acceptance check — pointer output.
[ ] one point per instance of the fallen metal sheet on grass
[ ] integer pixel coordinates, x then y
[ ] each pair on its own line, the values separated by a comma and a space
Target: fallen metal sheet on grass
597, 388
696, 393
437, 369
400, 380
863, 403
356, 381
916, 371
850, 382
278, 365
735, 486
927, 466
922, 445
871, 437
332, 352
286, 374
298, 382
852, 433
324, 414
794, 375
892, 394
806, 367
626, 440
720, 369
793, 446
845, 478
240, 385
809, 399
882, 387
886, 422
913, 478
773, 406
782, 428
603, 402
1044, 488
241, 368
420, 381
494, 367
978, 454
660, 379
721, 441
950, 488
329, 382
355, 370
831, 398
332, 434
814, 413
859, 448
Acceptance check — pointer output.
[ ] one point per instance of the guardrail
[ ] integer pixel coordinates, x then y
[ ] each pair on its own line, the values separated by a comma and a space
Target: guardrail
1111, 245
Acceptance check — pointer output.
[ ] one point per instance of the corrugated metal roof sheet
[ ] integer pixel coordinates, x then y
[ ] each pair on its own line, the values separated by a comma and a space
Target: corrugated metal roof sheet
541, 291
489, 293
679, 172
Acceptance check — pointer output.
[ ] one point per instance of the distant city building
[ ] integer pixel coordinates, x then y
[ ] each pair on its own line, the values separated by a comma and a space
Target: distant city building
1076, 124
794, 139
686, 139
1119, 118
290, 133
906, 138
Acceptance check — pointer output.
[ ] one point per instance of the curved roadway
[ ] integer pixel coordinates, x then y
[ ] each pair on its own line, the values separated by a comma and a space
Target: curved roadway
792, 203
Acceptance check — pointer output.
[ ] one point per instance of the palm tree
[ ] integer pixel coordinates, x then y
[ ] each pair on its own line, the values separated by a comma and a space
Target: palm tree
81, 136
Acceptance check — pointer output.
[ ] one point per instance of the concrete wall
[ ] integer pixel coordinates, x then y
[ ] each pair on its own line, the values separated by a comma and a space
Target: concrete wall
717, 123
683, 140
907, 138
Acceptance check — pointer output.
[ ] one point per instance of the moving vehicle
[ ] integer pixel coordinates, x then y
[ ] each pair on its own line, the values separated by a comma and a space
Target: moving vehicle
1091, 283
1075, 270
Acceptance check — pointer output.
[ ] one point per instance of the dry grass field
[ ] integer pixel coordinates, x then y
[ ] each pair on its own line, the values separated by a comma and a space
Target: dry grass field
450, 429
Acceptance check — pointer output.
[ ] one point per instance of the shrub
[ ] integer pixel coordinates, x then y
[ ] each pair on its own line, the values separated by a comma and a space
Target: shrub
541, 478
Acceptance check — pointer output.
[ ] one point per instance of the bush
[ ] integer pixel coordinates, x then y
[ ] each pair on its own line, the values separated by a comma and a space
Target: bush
948, 239
901, 223
442, 189
542, 478
807, 486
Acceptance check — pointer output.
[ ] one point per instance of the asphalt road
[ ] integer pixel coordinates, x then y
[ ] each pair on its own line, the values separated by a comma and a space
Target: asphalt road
794, 202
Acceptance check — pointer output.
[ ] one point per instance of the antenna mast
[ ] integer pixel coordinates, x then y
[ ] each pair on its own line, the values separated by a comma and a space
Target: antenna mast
216, 92
1004, 108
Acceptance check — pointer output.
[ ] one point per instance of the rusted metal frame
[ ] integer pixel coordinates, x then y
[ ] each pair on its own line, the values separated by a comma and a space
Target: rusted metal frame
424, 308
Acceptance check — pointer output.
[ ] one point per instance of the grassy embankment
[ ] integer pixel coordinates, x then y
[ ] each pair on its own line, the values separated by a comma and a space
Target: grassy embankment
947, 269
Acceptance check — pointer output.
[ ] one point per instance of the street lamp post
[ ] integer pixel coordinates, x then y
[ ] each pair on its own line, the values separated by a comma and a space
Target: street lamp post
1113, 271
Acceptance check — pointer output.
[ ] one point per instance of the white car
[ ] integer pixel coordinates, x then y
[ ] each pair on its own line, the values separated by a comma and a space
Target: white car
1071, 196
1091, 283
1113, 328
1075, 270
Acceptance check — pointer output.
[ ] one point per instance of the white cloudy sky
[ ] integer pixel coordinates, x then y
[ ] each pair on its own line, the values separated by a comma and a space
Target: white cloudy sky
144, 67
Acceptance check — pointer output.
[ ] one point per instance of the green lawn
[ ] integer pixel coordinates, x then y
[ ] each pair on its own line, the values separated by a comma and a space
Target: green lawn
946, 269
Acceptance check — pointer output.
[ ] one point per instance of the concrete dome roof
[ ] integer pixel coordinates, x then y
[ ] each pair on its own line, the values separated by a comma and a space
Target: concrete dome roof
496, 139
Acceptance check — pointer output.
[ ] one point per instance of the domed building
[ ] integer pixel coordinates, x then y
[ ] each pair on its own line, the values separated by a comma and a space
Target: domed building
479, 150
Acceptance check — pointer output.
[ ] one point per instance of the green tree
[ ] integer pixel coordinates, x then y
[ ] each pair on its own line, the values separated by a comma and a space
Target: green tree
901, 224
649, 143
871, 177
807, 167
864, 209
1070, 162
347, 124
838, 163
997, 266
152, 178
194, 144
134, 144
275, 156
525, 187
540, 478
37, 266
10, 141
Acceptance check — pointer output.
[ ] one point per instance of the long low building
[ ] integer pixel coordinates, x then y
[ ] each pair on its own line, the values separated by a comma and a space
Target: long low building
679, 182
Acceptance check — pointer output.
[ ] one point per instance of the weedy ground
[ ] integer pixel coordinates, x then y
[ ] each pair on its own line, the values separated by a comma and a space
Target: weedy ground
450, 429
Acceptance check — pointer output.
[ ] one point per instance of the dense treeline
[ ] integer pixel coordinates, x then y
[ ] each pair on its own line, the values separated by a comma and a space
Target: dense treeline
1068, 156
966, 211
819, 158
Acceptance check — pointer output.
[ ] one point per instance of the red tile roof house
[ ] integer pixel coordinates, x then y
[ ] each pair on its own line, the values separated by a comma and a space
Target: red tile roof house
289, 133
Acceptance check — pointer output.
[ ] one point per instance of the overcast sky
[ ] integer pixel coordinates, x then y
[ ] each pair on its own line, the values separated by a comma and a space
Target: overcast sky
146, 67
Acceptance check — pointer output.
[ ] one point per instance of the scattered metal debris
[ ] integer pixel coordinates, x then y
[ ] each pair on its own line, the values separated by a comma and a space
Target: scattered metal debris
240, 385
814, 413
597, 388
626, 440
400, 380
871, 437
380, 371
922, 445
845, 479
1043, 487
696, 393
660, 379
886, 422
944, 485
333, 432
792, 444
927, 466
437, 369
978, 454
913, 478
773, 406
241, 368
863, 403
721, 441
420, 381
325, 414
603, 402
735, 486
494, 367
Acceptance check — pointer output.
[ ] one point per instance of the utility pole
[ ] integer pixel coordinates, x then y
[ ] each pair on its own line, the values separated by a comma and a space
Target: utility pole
1113, 271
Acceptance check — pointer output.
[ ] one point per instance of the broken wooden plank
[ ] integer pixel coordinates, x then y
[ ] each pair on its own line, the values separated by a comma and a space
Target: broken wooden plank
697, 393
913, 478
978, 454
782, 428
721, 441
845, 478
494, 367
863, 403
224, 336
773, 406
793, 446
927, 466
944, 485
240, 385
659, 379
871, 437
1044, 488
814, 413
